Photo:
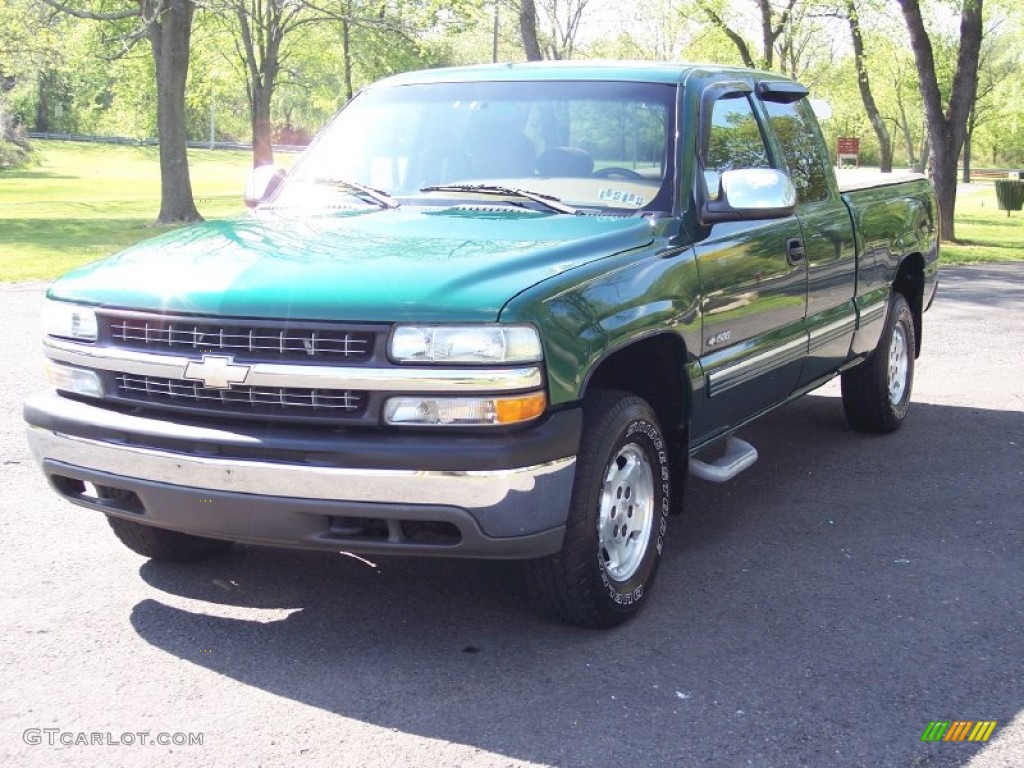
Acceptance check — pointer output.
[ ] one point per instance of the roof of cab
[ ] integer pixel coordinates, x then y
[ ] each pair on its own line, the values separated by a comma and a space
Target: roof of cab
626, 71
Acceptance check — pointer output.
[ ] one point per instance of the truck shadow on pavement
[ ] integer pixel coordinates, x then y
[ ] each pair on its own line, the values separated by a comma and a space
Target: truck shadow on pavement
820, 609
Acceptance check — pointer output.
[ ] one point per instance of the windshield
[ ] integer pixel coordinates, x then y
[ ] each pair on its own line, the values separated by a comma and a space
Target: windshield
592, 145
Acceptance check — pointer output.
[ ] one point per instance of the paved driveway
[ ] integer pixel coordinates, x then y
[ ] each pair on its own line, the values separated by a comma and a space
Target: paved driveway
819, 610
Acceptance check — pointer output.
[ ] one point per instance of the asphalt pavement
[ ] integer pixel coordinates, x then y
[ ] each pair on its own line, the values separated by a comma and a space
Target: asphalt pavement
819, 610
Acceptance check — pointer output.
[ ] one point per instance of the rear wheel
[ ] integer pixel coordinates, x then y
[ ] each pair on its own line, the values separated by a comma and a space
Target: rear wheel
876, 394
617, 518
161, 544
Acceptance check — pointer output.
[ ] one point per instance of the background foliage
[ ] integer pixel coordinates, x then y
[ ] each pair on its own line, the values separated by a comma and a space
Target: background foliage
66, 75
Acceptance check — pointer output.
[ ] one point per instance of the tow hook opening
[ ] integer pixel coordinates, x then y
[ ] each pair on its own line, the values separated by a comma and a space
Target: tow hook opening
102, 497
435, 532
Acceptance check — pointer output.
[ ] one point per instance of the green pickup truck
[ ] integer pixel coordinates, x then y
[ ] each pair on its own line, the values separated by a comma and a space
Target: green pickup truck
492, 312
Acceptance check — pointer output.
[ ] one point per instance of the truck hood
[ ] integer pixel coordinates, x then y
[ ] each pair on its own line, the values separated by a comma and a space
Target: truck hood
407, 264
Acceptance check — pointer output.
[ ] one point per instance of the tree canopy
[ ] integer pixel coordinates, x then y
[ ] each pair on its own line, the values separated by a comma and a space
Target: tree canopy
273, 71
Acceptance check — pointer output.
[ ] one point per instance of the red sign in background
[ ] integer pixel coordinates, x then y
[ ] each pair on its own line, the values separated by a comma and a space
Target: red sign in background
848, 147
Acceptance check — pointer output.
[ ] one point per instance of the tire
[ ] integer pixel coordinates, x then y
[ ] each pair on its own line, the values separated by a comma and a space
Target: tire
164, 545
876, 394
617, 520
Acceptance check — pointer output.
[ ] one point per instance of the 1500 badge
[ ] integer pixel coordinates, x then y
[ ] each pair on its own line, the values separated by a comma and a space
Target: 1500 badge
719, 338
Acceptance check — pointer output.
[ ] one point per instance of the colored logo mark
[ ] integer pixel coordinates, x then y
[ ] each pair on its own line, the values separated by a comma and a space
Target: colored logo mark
958, 730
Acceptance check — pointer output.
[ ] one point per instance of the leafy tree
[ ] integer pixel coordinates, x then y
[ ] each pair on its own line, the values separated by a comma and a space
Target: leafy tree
476, 32
68, 75
864, 84
550, 28
901, 103
785, 35
528, 29
653, 30
383, 39
773, 18
999, 60
168, 26
27, 48
563, 20
947, 120
260, 30
997, 133
14, 149
215, 96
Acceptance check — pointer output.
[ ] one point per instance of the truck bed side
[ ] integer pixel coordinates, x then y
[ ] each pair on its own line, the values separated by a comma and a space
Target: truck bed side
895, 231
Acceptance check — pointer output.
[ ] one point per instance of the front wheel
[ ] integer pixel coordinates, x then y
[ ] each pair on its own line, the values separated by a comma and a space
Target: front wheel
161, 544
617, 521
876, 393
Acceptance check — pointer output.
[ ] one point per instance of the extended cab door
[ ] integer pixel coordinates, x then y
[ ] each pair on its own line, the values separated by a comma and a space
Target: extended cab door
754, 286
825, 224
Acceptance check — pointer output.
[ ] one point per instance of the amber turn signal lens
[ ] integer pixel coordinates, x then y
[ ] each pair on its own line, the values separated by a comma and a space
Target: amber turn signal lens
515, 409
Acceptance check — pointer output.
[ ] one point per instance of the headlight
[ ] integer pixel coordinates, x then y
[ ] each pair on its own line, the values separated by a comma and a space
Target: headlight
429, 411
69, 321
78, 380
483, 344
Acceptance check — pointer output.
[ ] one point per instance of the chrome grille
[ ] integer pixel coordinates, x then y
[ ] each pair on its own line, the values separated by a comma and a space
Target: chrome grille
249, 341
254, 401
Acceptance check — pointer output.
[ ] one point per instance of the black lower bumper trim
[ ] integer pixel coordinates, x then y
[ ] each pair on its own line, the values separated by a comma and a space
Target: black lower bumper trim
359, 527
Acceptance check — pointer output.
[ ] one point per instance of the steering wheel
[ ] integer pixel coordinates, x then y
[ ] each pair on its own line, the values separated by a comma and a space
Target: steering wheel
626, 173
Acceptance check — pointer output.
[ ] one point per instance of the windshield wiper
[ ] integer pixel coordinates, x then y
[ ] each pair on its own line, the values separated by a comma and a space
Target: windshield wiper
548, 201
378, 196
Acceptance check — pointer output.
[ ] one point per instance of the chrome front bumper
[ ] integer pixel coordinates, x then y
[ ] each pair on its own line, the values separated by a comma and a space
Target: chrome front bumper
497, 513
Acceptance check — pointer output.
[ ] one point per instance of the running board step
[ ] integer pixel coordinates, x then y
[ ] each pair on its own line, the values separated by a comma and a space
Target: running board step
739, 455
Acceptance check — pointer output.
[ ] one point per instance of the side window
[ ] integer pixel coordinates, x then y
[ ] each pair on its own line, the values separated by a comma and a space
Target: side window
803, 148
735, 141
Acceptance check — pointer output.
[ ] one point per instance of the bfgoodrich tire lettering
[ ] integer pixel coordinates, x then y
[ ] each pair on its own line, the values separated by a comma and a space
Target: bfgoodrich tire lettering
876, 394
617, 518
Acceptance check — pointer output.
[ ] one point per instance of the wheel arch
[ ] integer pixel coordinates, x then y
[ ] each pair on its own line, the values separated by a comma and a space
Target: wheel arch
654, 368
909, 282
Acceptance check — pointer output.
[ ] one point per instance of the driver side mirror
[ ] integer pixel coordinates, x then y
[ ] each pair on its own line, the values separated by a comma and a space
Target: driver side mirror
751, 193
262, 183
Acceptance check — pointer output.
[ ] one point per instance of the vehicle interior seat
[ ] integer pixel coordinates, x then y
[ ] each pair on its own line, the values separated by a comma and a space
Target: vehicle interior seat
501, 153
565, 161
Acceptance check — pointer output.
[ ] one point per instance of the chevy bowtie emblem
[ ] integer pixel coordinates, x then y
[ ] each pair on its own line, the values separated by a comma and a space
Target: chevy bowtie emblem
216, 372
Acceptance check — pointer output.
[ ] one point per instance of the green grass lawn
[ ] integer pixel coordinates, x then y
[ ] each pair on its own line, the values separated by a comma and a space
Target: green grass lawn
82, 202
984, 233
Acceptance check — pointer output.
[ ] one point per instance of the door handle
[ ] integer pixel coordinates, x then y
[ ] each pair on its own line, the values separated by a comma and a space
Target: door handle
795, 250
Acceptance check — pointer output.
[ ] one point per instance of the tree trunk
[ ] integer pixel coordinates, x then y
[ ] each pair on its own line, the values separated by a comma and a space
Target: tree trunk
968, 136
884, 143
767, 39
737, 39
528, 30
170, 33
261, 29
908, 139
947, 128
42, 107
881, 131
966, 177
262, 130
944, 179
346, 54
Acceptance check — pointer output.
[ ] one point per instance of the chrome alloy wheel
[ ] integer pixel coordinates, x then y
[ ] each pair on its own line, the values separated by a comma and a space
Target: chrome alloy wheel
625, 519
898, 365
